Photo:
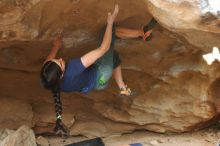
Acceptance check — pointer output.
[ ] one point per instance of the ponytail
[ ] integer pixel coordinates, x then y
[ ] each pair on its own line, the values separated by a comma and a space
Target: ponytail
50, 79
58, 104
60, 128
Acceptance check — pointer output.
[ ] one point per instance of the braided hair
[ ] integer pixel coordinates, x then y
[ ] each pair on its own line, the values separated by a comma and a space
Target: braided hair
50, 79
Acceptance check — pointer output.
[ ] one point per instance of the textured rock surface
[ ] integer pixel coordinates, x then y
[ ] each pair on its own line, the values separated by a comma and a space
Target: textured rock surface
178, 92
196, 21
14, 113
24, 136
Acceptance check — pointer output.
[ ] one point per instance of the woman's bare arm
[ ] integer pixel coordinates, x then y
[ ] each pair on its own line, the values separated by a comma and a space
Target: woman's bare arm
90, 57
57, 43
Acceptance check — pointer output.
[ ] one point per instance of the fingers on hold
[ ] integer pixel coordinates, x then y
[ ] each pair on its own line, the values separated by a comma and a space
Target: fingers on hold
116, 7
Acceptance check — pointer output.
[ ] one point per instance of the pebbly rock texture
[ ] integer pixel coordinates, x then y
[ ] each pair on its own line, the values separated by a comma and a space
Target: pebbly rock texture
24, 136
195, 21
177, 91
12, 14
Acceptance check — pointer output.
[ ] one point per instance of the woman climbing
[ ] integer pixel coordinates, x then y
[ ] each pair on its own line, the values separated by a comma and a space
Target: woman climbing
91, 71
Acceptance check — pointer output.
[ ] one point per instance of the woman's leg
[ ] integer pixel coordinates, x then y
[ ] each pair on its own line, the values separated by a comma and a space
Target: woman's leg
117, 74
124, 90
126, 33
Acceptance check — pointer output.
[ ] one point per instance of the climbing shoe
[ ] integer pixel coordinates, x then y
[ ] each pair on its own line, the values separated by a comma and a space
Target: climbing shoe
147, 30
126, 92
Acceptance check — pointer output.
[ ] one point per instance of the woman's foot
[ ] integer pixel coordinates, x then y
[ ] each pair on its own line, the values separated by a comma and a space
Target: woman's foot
147, 34
126, 92
147, 30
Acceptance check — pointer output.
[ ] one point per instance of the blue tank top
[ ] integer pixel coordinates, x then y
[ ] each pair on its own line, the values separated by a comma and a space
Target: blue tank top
77, 78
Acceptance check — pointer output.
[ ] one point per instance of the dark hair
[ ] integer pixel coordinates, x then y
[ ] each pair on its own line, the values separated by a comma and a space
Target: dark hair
50, 79
50, 75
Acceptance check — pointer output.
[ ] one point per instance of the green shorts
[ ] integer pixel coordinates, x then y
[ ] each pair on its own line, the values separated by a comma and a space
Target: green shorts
105, 65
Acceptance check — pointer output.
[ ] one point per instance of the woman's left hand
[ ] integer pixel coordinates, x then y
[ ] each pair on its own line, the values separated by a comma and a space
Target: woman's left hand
111, 17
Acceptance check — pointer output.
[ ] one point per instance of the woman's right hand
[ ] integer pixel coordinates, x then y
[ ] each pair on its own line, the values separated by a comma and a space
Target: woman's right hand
57, 42
111, 17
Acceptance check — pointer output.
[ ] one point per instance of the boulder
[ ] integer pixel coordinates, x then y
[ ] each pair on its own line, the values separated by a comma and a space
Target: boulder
177, 90
24, 136
15, 113
196, 22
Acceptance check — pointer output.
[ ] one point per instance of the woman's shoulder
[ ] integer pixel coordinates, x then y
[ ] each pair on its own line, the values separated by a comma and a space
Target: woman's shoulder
74, 67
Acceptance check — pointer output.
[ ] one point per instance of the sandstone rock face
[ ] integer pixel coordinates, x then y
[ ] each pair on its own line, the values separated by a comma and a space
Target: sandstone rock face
14, 113
24, 136
196, 21
177, 91
12, 14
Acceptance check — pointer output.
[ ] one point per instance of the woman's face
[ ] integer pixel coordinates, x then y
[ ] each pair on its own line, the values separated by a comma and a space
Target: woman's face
61, 63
